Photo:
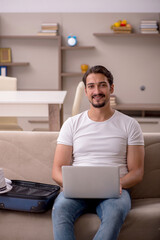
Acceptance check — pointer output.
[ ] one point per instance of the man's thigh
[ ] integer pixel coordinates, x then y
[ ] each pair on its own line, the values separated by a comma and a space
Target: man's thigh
69, 206
113, 206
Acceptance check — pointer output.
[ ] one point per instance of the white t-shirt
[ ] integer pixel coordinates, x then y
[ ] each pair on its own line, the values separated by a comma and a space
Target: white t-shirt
101, 143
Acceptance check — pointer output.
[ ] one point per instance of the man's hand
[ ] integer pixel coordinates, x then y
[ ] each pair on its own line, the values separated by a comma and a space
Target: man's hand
120, 187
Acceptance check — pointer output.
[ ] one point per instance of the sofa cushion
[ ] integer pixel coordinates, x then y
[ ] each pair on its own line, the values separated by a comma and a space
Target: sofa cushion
143, 221
27, 155
26, 226
150, 186
86, 226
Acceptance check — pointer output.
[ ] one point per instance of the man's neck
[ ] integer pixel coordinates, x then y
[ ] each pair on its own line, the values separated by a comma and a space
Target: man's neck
100, 114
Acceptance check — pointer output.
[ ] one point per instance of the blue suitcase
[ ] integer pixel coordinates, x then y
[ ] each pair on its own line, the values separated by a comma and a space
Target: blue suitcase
29, 196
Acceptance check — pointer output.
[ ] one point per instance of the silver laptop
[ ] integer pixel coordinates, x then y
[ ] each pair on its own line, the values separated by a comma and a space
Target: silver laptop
91, 181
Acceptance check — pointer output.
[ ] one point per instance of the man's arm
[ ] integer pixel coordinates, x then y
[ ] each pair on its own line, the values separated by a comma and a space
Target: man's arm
63, 156
135, 162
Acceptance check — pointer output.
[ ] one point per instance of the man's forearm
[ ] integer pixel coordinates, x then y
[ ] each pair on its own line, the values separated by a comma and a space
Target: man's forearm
57, 177
131, 179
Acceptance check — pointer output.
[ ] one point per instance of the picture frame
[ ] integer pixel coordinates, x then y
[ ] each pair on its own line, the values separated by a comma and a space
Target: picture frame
5, 55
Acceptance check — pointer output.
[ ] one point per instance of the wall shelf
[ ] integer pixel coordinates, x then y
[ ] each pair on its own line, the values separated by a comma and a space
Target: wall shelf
126, 35
71, 74
139, 110
14, 64
76, 47
29, 37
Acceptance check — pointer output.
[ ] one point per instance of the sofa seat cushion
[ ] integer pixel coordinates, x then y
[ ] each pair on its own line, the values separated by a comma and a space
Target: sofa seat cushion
26, 226
86, 226
144, 217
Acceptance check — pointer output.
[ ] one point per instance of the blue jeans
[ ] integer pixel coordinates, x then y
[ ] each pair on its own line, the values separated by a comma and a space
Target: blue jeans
112, 213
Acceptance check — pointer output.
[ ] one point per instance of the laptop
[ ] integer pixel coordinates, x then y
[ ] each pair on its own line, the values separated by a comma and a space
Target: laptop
91, 181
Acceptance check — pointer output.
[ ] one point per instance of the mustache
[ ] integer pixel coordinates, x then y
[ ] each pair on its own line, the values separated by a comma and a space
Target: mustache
98, 95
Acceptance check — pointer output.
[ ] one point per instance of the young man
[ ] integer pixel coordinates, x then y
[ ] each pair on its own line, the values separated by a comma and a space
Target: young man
99, 136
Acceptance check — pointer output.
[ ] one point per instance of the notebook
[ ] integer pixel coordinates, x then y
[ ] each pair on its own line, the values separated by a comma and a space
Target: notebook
91, 181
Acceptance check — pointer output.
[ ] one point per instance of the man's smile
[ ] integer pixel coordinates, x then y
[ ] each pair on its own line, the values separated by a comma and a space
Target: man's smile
98, 96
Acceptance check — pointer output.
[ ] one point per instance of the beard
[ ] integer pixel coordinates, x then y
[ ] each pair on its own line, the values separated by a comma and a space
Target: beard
99, 104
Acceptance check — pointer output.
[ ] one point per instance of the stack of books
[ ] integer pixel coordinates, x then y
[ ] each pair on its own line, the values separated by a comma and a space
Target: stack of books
149, 26
113, 101
48, 29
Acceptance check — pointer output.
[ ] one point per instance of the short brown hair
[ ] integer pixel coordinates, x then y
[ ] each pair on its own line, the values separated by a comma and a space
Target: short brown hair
98, 69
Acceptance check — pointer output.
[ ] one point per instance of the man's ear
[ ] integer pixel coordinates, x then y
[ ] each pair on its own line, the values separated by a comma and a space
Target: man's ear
85, 90
112, 88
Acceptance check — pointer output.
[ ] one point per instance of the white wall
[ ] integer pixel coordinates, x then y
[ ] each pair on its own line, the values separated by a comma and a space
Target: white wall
79, 6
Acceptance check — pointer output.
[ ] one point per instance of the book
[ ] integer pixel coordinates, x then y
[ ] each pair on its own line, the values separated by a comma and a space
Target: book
113, 101
149, 26
49, 29
3, 71
49, 26
149, 29
148, 22
47, 33
150, 32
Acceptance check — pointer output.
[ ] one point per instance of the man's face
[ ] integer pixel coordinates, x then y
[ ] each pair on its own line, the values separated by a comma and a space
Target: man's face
98, 89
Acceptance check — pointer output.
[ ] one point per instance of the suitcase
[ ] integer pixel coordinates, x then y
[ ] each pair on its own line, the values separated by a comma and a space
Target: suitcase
29, 196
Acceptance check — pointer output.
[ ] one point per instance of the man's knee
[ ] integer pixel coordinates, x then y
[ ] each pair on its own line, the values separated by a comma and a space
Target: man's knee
61, 204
